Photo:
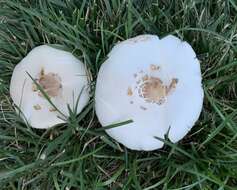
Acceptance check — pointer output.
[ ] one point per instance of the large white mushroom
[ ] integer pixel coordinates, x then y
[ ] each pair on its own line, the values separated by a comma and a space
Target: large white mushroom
60, 75
156, 83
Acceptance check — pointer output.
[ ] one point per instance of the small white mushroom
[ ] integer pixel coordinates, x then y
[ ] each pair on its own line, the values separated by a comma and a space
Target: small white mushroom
162, 79
61, 76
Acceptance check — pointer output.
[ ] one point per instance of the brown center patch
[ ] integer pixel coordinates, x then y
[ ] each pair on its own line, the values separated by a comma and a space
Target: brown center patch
150, 88
129, 92
153, 90
51, 83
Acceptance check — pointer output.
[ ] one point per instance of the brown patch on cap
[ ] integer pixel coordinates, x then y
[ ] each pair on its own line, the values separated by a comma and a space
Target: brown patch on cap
172, 85
42, 71
129, 91
52, 109
34, 87
37, 107
153, 90
51, 83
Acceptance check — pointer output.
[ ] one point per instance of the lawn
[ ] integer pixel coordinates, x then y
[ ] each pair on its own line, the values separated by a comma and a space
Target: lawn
77, 155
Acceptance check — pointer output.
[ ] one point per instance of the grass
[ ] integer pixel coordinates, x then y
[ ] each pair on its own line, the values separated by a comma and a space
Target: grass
79, 156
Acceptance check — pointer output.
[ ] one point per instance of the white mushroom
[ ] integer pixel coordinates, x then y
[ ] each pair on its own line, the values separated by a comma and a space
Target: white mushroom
60, 75
156, 83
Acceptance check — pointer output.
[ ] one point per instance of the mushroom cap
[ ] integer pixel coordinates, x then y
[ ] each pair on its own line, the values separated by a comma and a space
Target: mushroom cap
156, 83
60, 74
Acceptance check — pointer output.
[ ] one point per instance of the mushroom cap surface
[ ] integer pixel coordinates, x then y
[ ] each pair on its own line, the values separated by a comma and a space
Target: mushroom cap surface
62, 77
154, 82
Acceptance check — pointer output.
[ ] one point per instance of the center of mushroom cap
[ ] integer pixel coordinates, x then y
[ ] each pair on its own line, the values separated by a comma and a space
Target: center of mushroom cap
153, 90
51, 83
150, 87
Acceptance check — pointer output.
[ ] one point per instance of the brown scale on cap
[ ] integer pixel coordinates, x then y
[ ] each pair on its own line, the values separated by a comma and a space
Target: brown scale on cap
34, 87
37, 107
172, 85
129, 92
51, 84
52, 110
42, 72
